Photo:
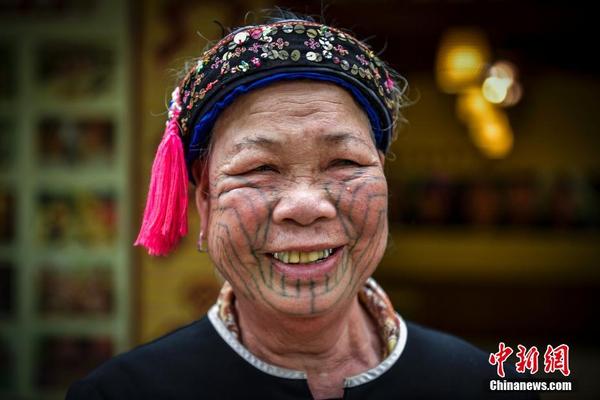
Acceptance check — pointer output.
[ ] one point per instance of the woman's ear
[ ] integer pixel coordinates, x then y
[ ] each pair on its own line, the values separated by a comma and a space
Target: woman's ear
201, 192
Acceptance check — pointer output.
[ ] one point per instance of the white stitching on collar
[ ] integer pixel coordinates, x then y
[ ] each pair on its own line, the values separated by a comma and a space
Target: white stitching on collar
281, 372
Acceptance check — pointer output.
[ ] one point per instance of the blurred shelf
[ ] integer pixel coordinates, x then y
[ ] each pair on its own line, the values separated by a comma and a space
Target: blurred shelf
49, 394
7, 251
60, 179
72, 74
8, 326
7, 177
10, 395
493, 256
6, 108
50, 26
66, 255
107, 105
64, 326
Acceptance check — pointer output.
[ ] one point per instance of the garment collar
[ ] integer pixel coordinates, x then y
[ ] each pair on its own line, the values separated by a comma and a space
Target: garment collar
390, 326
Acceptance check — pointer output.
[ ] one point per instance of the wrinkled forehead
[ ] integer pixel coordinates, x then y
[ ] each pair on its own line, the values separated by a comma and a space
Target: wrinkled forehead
316, 111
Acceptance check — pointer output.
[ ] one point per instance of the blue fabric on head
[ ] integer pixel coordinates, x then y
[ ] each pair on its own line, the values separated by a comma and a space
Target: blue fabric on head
202, 128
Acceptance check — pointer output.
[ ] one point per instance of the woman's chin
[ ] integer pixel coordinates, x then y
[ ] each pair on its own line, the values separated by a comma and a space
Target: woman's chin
309, 298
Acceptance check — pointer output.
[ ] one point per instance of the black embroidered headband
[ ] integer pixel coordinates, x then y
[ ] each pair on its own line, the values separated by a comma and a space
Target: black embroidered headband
246, 59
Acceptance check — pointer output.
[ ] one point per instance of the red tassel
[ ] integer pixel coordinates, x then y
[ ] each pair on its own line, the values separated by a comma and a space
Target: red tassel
165, 216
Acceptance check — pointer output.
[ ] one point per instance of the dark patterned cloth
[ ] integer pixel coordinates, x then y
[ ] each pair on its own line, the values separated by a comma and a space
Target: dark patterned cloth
255, 56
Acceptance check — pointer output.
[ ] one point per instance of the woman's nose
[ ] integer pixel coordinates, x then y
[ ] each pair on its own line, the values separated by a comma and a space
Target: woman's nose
303, 205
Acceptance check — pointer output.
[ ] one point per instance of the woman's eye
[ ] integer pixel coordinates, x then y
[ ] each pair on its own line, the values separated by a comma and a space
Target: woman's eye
344, 163
264, 168
260, 169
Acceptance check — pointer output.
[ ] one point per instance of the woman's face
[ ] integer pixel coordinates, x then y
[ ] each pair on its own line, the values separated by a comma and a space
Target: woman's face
294, 200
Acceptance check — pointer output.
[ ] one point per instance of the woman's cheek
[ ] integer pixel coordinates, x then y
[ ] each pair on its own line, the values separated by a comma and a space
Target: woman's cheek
238, 218
363, 203
370, 216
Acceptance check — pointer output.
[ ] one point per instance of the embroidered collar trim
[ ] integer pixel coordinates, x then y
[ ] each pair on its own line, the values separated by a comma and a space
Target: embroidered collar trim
392, 330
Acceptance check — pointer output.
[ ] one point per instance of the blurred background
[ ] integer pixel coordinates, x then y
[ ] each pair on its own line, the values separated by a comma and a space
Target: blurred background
495, 181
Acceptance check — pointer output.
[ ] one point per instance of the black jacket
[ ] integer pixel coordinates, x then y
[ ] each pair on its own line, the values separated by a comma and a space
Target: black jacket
194, 362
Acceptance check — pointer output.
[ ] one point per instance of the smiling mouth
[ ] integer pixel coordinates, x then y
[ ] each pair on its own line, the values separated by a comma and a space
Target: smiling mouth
304, 257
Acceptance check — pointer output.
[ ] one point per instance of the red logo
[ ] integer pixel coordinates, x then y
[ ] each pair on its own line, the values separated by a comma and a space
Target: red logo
555, 359
500, 357
528, 359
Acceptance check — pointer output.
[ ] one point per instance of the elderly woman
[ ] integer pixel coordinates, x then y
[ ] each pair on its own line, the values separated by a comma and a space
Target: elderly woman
283, 128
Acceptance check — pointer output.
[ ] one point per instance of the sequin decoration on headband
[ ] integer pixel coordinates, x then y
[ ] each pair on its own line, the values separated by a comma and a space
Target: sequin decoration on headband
255, 52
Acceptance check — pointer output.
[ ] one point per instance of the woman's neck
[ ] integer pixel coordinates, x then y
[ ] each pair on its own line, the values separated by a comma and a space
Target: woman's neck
328, 347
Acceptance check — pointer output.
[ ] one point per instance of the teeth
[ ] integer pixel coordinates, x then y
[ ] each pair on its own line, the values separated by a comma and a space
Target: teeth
304, 257
295, 257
